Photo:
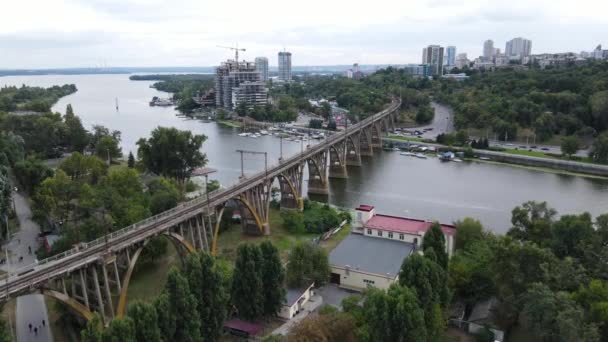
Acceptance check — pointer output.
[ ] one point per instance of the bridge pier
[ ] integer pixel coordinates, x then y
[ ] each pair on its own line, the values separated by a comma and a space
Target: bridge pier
337, 160
376, 135
365, 142
317, 174
290, 185
353, 155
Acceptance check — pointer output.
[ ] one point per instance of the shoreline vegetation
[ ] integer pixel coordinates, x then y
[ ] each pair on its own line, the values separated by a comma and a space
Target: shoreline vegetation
553, 163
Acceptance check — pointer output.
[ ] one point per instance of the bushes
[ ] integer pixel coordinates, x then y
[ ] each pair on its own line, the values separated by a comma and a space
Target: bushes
317, 218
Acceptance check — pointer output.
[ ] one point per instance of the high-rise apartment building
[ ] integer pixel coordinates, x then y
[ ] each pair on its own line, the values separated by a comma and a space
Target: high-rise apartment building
488, 49
261, 65
451, 56
433, 56
518, 47
237, 82
285, 66
462, 60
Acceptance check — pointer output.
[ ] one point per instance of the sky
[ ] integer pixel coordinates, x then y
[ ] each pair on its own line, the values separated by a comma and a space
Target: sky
128, 33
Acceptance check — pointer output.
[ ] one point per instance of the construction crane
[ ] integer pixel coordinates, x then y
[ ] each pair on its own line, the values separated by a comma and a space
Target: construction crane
236, 50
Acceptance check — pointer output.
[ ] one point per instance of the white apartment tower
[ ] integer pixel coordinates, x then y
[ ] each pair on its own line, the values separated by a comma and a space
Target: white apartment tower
285, 66
433, 56
488, 49
261, 65
518, 47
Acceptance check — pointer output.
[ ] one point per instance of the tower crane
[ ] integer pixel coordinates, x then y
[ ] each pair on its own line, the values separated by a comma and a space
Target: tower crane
236, 50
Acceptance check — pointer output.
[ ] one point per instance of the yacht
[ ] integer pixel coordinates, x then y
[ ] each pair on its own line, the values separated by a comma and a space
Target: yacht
420, 155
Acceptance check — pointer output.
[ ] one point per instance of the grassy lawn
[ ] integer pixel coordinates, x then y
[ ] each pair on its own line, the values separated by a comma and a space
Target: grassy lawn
528, 153
9, 309
229, 123
398, 137
333, 241
148, 280
229, 240
57, 328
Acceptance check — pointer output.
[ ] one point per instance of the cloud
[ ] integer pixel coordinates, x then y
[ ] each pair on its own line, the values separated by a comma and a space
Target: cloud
72, 33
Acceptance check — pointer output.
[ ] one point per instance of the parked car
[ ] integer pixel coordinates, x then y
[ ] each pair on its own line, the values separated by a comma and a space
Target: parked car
545, 149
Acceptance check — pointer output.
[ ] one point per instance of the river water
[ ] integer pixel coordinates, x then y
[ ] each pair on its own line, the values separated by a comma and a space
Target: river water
395, 184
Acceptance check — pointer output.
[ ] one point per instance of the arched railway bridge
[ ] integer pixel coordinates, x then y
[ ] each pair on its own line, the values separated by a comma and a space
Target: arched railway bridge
90, 276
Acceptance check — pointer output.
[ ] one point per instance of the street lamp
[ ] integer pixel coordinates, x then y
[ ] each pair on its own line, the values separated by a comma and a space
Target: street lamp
205, 171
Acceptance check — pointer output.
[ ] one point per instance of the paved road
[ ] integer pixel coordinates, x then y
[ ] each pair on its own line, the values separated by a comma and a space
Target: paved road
443, 122
30, 308
29, 312
27, 235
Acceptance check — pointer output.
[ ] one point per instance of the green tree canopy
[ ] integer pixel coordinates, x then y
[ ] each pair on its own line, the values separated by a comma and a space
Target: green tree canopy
172, 153
145, 322
435, 240
247, 295
273, 278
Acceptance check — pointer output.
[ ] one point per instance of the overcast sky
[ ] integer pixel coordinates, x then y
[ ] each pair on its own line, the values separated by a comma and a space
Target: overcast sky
95, 33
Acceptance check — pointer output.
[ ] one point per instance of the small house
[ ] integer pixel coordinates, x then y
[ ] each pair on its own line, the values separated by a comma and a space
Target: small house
295, 299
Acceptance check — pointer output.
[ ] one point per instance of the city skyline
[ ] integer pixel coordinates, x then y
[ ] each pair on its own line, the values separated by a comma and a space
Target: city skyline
136, 33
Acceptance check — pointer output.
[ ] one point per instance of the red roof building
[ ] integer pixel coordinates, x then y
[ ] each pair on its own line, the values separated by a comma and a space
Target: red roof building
400, 228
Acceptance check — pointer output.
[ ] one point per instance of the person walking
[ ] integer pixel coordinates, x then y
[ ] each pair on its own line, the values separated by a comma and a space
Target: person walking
30, 325
43, 323
35, 331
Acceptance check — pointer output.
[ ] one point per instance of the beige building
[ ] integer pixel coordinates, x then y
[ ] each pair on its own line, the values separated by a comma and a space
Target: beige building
295, 300
374, 257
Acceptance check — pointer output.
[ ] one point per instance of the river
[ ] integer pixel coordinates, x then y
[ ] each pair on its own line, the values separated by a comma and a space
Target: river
395, 184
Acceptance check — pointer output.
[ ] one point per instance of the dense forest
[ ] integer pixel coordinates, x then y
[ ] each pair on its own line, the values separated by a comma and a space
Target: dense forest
35, 99
567, 100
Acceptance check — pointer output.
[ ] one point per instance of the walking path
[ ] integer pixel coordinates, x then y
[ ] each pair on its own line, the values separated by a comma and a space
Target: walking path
30, 308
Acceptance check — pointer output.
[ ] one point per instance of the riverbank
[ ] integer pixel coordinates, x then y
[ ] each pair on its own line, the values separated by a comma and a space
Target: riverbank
525, 159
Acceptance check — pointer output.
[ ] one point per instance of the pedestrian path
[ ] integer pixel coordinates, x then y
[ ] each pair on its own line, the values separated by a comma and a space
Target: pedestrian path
28, 312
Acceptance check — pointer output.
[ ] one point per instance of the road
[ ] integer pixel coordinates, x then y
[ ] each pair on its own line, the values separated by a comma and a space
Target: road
30, 308
443, 122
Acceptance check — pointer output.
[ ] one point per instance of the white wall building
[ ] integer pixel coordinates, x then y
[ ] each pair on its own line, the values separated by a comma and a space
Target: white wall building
519, 47
488, 49
295, 299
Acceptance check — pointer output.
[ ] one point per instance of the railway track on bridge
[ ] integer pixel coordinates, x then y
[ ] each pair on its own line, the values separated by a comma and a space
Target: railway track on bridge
30, 277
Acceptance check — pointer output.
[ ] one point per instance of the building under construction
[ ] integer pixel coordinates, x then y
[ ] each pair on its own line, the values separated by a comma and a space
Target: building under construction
237, 82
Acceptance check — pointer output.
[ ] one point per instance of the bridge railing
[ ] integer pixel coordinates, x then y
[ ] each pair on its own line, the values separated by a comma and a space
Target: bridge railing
109, 237
199, 200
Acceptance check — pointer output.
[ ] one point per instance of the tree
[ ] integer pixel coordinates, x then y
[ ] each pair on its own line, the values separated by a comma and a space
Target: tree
31, 172
569, 233
394, 315
131, 160
330, 327
273, 277
532, 222
166, 319
182, 309
208, 285
294, 221
599, 149
307, 263
599, 108
145, 322
164, 195
107, 148
247, 295
172, 153
429, 282
77, 138
570, 146
86, 168
435, 240
92, 330
119, 330
468, 232
555, 317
